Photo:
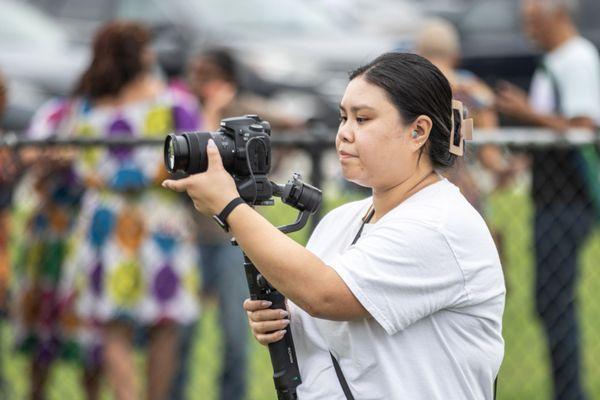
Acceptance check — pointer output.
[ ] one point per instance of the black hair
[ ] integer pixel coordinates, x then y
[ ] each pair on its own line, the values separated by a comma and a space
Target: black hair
416, 87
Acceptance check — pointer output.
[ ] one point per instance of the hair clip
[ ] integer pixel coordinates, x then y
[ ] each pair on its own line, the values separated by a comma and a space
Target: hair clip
461, 129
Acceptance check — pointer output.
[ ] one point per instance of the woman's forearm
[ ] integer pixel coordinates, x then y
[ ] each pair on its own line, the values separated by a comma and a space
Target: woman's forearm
288, 266
296, 272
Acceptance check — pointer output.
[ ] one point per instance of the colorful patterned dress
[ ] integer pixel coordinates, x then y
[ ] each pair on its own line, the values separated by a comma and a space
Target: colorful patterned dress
43, 315
121, 250
134, 258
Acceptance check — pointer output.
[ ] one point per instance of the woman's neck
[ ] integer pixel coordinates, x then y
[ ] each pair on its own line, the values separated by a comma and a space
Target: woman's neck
388, 198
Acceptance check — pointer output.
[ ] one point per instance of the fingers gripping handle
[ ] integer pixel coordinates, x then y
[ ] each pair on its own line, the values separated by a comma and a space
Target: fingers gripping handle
283, 357
286, 374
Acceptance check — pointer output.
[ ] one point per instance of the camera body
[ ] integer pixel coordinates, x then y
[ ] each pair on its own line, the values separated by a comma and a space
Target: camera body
244, 144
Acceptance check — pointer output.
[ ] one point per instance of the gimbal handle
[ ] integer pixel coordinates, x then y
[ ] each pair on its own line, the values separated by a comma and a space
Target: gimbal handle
286, 374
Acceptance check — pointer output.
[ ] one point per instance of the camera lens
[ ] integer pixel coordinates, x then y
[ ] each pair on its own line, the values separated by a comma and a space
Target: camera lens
176, 153
171, 155
186, 152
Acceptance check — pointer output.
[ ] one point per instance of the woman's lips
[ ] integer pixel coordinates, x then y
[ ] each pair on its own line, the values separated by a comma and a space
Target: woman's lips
343, 154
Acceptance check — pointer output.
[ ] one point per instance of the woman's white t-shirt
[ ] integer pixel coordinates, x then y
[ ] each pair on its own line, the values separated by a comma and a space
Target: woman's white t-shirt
429, 274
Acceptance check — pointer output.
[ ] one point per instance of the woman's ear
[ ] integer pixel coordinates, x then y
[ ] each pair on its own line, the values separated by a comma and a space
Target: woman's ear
420, 130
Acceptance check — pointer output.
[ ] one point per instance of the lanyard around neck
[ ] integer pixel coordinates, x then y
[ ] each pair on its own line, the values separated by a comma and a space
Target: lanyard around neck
365, 220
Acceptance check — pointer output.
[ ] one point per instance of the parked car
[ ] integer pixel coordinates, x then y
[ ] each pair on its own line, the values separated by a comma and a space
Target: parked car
37, 58
396, 20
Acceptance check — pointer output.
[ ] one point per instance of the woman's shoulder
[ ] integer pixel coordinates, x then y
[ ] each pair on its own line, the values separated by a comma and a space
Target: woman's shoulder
171, 96
431, 208
172, 109
48, 119
357, 206
339, 220
445, 209
160, 95
346, 212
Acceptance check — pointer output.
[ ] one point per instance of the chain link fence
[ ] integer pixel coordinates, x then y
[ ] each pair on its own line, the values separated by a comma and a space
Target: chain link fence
549, 248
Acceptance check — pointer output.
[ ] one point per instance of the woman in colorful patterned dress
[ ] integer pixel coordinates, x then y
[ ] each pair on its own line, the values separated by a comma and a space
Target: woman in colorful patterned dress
132, 264
134, 243
43, 311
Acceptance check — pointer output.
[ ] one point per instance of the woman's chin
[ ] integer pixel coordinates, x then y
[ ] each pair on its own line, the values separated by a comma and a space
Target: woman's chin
356, 180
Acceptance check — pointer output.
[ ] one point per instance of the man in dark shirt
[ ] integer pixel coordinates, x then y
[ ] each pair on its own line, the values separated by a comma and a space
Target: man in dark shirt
564, 94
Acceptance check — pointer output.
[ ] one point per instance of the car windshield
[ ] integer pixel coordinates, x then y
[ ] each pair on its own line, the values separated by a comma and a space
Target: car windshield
267, 17
22, 25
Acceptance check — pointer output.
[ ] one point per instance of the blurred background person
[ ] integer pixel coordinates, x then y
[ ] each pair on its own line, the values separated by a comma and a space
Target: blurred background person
438, 41
132, 266
8, 171
214, 79
564, 93
7, 175
41, 306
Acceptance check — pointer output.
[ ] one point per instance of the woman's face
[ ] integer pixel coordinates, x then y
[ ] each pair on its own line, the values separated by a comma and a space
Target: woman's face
373, 144
203, 75
148, 58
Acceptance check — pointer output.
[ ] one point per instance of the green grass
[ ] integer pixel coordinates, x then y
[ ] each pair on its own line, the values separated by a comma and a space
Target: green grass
524, 373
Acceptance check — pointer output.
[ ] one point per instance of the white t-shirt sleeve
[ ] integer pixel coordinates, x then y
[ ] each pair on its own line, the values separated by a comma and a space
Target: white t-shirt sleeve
401, 272
580, 90
575, 66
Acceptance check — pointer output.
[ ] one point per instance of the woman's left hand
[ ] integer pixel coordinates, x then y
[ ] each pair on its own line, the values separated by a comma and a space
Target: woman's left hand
212, 190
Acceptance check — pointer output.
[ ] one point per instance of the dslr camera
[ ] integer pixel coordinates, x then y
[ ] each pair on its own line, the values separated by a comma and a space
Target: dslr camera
245, 147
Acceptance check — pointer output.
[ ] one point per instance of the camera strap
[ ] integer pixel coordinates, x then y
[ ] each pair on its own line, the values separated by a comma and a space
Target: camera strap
336, 365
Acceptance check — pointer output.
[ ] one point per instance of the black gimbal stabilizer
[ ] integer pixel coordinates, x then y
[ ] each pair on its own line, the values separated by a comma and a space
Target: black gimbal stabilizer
244, 144
286, 375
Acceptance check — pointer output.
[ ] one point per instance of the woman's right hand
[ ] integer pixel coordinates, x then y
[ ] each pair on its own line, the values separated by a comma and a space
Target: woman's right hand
267, 325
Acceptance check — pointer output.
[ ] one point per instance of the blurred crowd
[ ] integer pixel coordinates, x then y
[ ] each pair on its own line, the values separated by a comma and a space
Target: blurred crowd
104, 263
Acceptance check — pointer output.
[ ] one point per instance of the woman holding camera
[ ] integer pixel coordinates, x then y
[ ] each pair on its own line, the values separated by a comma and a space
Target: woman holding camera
404, 289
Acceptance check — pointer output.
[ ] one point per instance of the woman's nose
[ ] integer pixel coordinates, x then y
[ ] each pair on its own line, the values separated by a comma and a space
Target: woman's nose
345, 133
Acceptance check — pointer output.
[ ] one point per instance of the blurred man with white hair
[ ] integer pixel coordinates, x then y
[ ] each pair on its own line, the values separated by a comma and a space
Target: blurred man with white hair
564, 93
439, 42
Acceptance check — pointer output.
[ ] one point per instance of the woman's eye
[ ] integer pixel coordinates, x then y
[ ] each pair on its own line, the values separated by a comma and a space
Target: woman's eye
342, 119
361, 120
